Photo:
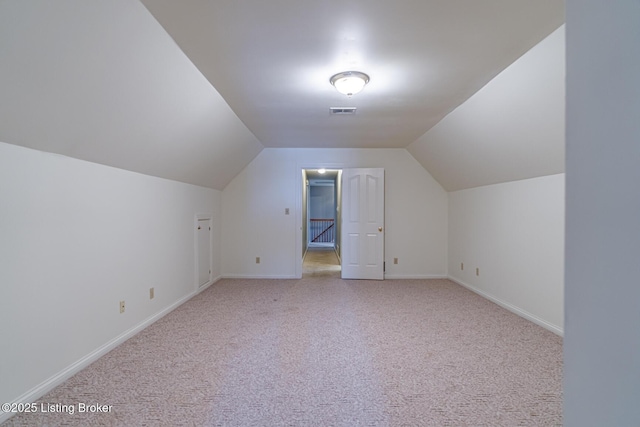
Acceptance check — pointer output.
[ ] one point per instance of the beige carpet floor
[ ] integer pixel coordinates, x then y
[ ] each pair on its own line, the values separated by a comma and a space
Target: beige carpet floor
322, 351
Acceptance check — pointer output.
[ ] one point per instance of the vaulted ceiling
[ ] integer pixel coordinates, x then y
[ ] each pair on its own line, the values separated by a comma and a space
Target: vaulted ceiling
193, 90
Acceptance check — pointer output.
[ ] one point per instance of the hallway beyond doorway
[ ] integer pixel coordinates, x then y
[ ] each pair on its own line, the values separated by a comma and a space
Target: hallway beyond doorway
321, 261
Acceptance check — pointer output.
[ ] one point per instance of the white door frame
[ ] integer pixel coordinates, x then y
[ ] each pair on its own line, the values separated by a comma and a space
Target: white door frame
300, 167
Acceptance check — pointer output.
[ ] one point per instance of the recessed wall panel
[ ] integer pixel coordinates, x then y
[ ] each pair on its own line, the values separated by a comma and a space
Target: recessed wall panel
354, 249
354, 198
372, 198
371, 250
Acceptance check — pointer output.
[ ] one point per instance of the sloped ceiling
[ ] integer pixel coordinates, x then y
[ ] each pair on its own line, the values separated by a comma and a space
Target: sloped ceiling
511, 129
102, 81
272, 60
192, 90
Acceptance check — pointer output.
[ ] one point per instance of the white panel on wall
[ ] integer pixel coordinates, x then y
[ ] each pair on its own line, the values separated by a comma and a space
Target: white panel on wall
203, 239
602, 335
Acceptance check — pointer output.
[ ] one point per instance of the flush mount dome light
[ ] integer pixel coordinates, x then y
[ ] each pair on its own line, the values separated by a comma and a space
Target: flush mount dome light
349, 82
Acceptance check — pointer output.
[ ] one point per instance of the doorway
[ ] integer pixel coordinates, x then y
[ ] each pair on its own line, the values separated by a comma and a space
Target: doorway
358, 214
321, 222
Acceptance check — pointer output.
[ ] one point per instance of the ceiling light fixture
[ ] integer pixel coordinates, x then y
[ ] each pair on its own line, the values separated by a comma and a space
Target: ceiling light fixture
349, 82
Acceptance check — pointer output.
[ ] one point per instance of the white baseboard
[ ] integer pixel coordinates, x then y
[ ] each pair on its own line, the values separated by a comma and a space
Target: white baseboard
57, 379
512, 308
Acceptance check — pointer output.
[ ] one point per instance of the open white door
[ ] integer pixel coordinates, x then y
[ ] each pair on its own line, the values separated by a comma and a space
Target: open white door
362, 224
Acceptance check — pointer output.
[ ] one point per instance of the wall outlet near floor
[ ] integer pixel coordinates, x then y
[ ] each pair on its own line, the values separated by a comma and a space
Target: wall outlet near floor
477, 271
395, 260
257, 260
121, 306
151, 293
462, 266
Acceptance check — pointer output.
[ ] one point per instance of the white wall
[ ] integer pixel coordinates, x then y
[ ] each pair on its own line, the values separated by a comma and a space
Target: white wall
75, 239
253, 207
602, 322
514, 234
322, 201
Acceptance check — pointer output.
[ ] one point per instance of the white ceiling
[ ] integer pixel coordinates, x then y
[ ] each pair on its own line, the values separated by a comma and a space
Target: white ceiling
272, 60
193, 90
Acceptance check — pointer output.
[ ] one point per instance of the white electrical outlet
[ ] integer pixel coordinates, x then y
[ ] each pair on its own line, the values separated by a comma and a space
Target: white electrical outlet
151, 293
477, 271
121, 306
395, 260
462, 266
257, 260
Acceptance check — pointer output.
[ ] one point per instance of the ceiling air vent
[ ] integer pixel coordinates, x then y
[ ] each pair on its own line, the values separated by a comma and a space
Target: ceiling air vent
342, 111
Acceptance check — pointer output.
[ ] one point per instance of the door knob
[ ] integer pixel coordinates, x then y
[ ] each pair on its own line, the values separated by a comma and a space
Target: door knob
379, 228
